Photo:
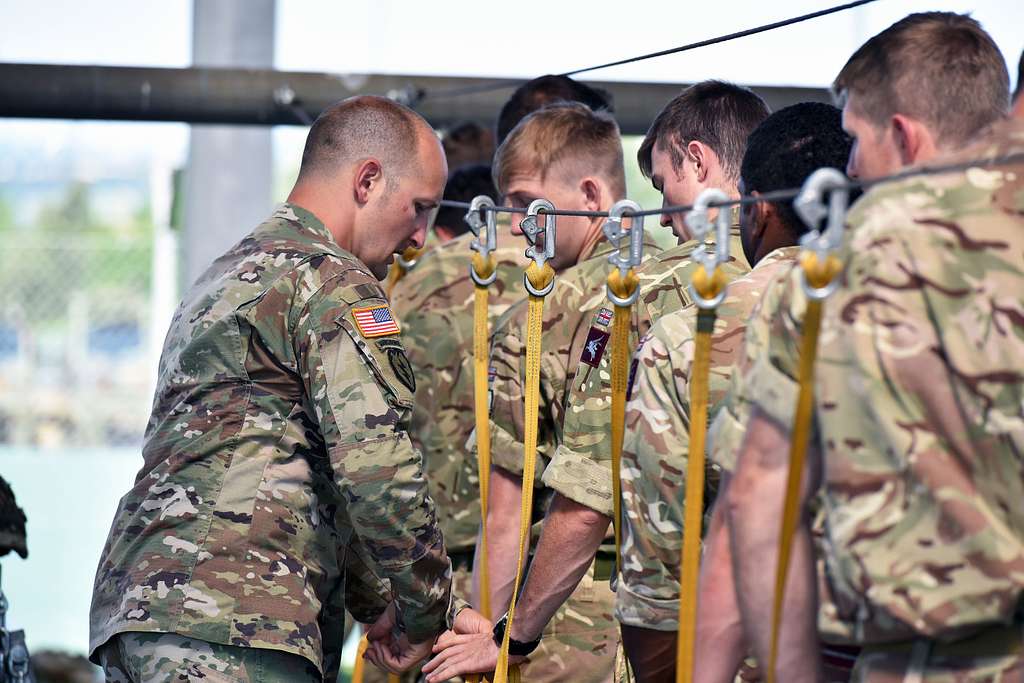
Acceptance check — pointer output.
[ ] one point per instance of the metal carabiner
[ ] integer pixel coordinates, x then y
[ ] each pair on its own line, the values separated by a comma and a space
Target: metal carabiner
614, 231
532, 231
810, 206
407, 265
697, 221
487, 242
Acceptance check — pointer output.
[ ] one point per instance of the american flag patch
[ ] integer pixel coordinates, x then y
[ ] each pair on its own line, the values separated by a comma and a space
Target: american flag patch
603, 317
375, 321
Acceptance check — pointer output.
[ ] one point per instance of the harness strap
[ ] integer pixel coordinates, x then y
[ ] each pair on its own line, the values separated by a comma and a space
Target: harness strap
622, 287
819, 273
708, 288
483, 268
539, 277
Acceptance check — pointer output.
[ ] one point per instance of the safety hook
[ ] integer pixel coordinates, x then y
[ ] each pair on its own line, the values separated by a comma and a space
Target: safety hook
532, 231
810, 206
487, 242
614, 231
698, 222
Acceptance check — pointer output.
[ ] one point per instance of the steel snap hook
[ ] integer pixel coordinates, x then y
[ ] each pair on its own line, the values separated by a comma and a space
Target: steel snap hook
614, 231
810, 206
532, 231
488, 241
697, 220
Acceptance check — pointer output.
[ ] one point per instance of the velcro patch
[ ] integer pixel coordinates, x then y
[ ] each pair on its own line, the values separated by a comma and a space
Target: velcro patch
402, 367
593, 349
375, 321
603, 317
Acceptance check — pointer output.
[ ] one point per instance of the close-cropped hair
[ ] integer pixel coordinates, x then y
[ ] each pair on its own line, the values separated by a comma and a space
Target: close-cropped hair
718, 114
790, 145
939, 67
1020, 77
568, 139
464, 183
359, 128
539, 92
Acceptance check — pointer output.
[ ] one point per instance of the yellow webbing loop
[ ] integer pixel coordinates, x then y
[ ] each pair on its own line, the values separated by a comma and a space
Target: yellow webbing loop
483, 268
398, 271
707, 287
622, 287
540, 277
359, 669
819, 274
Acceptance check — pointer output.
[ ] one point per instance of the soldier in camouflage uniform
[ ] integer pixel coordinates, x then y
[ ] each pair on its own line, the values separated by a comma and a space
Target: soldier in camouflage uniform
936, 54
917, 433
578, 476
587, 173
279, 481
786, 147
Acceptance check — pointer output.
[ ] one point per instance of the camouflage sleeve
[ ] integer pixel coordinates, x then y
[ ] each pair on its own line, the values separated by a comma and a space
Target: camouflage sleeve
581, 468
654, 456
366, 594
361, 388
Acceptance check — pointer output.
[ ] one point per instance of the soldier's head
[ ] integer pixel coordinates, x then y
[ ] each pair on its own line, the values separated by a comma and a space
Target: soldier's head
1018, 94
787, 147
463, 184
467, 143
697, 142
545, 90
572, 156
925, 85
372, 171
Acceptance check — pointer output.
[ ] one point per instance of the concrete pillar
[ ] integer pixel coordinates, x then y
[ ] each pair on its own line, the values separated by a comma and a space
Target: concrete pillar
228, 182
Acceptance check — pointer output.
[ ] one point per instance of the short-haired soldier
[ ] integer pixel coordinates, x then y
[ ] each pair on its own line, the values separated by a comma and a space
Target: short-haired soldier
278, 478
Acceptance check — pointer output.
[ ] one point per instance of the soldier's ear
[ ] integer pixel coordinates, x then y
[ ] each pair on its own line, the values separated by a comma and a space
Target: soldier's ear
763, 213
592, 193
368, 180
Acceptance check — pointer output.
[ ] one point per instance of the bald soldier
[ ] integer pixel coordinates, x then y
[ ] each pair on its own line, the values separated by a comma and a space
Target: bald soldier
912, 450
787, 147
695, 143
278, 479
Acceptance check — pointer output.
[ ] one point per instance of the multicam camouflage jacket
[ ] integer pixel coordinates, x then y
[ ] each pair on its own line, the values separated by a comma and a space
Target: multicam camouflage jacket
918, 399
577, 290
581, 467
657, 440
434, 305
278, 475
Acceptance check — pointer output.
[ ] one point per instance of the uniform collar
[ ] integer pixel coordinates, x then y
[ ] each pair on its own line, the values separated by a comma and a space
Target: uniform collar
306, 218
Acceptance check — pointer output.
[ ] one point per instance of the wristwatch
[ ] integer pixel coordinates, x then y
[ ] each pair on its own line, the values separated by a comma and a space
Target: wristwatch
516, 648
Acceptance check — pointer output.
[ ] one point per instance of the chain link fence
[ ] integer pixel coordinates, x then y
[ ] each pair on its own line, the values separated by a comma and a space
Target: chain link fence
75, 340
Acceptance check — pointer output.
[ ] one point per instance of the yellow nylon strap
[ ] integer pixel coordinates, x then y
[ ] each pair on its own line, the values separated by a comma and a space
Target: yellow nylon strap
397, 272
540, 277
818, 274
622, 287
360, 665
707, 287
483, 269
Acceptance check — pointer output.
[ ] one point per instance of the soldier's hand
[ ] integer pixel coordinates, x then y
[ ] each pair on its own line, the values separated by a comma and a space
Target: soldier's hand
460, 654
398, 655
381, 629
469, 620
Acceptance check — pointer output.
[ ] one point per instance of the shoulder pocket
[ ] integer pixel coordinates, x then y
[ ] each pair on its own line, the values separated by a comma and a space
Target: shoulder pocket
382, 350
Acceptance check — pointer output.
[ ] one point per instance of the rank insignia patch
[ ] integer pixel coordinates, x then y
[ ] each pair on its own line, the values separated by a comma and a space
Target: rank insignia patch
603, 317
594, 347
375, 321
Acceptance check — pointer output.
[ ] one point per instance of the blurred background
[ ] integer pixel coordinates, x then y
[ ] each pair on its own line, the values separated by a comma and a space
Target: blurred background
104, 223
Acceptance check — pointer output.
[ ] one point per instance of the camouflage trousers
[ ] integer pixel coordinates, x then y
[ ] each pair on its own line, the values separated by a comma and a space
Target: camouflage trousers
926, 662
170, 658
580, 644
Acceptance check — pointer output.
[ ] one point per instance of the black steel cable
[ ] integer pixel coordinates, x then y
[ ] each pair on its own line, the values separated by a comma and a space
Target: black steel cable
498, 85
773, 196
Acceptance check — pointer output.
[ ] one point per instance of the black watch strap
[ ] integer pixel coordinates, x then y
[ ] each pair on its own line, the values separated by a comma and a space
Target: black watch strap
516, 648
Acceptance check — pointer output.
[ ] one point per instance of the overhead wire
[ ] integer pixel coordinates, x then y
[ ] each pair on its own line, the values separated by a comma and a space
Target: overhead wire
786, 194
500, 85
